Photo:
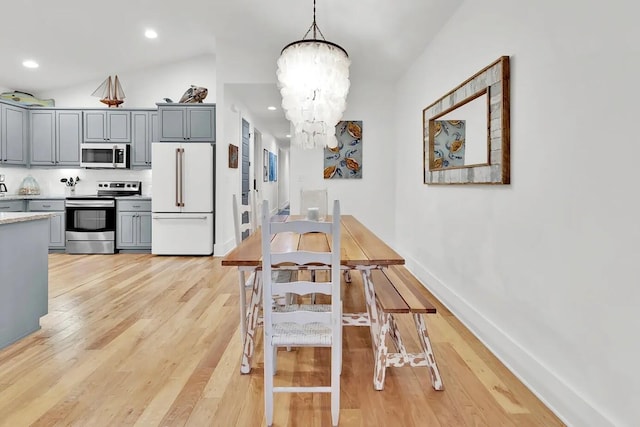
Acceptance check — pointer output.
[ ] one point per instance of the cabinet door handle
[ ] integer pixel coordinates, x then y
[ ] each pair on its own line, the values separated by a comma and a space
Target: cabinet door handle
4, 207
136, 206
46, 206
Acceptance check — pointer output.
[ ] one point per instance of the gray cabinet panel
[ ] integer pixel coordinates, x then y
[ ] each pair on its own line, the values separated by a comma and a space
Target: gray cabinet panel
55, 137
201, 124
95, 126
172, 123
68, 137
126, 229
118, 127
194, 123
133, 226
107, 126
13, 135
144, 220
141, 137
43, 137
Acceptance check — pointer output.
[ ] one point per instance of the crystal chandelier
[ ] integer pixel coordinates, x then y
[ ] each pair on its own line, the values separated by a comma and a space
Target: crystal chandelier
313, 77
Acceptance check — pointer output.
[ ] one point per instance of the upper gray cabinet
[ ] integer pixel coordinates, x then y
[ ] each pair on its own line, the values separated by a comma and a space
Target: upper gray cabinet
14, 132
187, 122
144, 131
107, 126
55, 137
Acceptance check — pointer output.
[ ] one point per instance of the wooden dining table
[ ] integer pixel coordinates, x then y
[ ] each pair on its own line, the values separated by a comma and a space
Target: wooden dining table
360, 249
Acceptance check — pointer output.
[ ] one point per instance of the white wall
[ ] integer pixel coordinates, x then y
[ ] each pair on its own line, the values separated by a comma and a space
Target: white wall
232, 111
370, 199
144, 88
545, 270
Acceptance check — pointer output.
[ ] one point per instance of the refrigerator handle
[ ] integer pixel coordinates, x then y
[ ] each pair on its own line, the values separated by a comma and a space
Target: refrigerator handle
182, 177
177, 176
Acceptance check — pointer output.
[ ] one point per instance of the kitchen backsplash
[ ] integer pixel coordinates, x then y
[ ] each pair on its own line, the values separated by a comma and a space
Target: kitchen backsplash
49, 179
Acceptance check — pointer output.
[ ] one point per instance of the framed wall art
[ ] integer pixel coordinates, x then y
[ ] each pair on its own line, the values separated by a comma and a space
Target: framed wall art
265, 165
466, 132
345, 160
233, 156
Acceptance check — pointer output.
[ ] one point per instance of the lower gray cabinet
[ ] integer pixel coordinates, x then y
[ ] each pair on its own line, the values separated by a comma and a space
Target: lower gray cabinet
57, 222
133, 225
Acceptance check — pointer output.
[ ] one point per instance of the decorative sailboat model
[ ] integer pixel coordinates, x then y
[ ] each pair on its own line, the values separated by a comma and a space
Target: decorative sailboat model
110, 92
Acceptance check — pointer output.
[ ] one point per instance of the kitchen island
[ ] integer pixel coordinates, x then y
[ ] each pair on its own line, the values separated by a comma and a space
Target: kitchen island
24, 282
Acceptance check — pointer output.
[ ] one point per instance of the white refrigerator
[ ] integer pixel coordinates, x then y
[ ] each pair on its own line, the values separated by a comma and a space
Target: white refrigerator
182, 202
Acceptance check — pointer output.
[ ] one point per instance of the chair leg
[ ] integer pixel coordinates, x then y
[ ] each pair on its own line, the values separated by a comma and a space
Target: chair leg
336, 362
268, 382
275, 358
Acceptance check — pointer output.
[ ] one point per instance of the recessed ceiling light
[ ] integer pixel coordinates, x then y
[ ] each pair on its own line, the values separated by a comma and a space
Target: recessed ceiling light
287, 136
271, 108
30, 63
150, 34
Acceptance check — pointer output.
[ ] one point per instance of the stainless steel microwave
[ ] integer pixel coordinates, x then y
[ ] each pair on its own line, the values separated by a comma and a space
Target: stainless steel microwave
105, 155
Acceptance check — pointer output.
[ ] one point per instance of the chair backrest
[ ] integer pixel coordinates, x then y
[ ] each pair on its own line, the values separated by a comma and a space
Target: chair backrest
244, 217
312, 201
327, 257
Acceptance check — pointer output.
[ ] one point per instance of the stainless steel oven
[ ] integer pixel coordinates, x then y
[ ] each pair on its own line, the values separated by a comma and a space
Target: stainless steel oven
104, 155
91, 219
91, 225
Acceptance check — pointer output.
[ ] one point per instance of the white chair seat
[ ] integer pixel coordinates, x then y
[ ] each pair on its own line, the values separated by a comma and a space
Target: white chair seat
295, 334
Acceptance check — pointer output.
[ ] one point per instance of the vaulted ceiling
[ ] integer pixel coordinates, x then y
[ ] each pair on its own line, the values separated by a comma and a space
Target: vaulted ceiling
76, 41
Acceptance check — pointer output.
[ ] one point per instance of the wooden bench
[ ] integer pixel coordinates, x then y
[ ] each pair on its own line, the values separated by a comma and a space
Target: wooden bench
399, 292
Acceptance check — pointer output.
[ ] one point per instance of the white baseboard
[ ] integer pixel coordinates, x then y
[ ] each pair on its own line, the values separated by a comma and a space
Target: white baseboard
221, 249
560, 397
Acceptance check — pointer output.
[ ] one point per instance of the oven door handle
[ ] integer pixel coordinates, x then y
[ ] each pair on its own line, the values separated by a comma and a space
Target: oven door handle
91, 204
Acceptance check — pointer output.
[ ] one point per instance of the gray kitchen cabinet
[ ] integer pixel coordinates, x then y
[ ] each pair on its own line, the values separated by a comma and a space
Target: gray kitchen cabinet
57, 222
11, 205
187, 122
14, 132
144, 131
133, 225
55, 136
107, 126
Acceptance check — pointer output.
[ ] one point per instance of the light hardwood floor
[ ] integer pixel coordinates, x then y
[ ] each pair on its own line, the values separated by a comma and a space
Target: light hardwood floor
153, 341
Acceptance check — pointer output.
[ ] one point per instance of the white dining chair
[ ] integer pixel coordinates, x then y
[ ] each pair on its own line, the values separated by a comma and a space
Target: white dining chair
301, 325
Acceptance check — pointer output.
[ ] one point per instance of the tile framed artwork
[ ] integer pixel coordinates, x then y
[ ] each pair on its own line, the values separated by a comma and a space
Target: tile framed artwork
345, 160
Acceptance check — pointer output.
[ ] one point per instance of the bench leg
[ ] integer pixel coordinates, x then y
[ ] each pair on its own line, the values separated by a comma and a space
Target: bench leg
425, 343
252, 323
394, 332
381, 352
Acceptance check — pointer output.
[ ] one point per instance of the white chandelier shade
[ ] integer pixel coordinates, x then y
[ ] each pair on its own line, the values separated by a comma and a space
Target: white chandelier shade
313, 77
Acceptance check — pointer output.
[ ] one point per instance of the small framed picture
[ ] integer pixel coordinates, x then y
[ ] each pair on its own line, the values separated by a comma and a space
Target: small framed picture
265, 165
233, 156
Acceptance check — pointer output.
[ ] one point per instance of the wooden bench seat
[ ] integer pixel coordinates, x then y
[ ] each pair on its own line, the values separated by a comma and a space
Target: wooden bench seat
399, 292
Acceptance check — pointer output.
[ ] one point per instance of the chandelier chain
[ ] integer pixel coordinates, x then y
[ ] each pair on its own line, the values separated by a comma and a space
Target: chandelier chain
314, 26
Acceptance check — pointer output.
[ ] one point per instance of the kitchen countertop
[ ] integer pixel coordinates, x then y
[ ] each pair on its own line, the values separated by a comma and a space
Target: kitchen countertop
11, 217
